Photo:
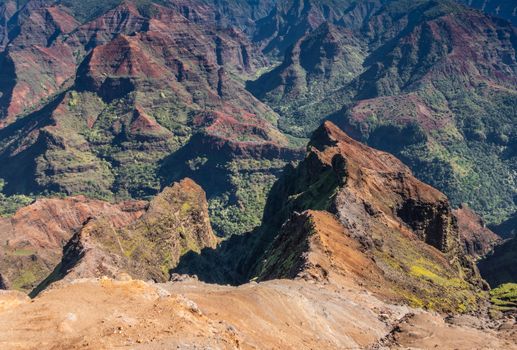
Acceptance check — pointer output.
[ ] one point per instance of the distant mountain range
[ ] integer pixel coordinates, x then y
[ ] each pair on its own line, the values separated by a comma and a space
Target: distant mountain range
315, 174
106, 99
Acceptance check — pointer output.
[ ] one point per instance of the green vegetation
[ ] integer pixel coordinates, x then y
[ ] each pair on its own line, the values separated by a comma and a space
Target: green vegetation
238, 208
455, 129
28, 277
86, 10
23, 252
10, 204
504, 297
422, 280
422, 272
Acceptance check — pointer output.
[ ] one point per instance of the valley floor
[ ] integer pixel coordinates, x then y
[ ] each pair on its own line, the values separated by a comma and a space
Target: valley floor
279, 314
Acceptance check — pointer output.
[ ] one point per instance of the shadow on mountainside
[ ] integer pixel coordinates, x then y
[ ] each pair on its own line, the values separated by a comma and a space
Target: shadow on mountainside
235, 259
220, 265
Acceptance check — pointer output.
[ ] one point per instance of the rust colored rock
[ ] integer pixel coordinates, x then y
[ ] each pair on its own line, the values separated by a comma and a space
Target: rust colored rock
476, 238
175, 223
279, 314
349, 212
32, 240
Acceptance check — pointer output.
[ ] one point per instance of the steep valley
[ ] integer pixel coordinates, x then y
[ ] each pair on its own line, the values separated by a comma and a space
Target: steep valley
410, 80
122, 105
258, 174
353, 270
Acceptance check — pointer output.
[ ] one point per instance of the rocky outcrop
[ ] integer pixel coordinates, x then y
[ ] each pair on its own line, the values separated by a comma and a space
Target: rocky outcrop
409, 78
175, 223
477, 239
364, 216
372, 174
315, 246
32, 239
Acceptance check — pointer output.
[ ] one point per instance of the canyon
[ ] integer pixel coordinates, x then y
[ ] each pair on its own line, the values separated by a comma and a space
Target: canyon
266, 174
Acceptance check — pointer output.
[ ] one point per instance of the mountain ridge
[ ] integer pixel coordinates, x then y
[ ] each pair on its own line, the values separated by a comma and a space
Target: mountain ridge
410, 81
115, 101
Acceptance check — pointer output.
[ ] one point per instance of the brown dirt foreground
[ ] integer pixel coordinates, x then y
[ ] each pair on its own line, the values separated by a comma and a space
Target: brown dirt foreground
279, 314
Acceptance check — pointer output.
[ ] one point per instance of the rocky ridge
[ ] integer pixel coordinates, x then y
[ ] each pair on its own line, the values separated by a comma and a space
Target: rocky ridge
78, 237
349, 212
400, 230
175, 223
352, 245
409, 80
33, 238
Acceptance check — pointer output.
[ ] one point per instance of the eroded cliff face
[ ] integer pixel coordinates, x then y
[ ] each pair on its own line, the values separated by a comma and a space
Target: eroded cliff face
33, 238
79, 237
337, 169
477, 239
357, 201
175, 223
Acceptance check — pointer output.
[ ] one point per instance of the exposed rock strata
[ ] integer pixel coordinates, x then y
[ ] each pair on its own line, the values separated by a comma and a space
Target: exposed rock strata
369, 218
476, 238
175, 223
33, 238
